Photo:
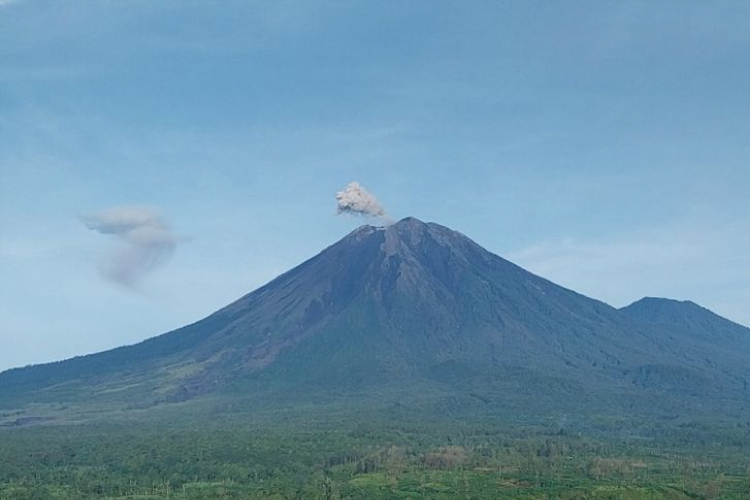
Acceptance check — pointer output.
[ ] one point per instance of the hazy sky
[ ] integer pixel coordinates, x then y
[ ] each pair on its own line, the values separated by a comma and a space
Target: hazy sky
604, 145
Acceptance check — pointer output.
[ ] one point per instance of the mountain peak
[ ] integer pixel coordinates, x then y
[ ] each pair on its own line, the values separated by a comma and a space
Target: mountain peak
657, 306
409, 222
662, 300
405, 224
684, 314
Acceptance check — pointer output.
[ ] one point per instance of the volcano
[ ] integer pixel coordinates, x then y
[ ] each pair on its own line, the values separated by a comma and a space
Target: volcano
414, 305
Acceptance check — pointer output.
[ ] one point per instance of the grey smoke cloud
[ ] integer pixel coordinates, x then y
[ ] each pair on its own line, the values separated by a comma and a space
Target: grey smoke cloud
146, 242
356, 200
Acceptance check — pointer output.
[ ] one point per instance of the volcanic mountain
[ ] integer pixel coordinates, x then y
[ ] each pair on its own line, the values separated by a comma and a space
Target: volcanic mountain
414, 305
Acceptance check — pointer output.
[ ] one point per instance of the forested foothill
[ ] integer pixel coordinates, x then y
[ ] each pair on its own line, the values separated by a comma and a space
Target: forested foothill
372, 454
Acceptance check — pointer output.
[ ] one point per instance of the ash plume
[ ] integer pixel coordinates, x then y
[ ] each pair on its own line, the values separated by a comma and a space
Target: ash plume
145, 242
356, 200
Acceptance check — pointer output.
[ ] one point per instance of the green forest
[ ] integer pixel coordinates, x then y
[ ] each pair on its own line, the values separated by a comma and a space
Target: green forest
373, 456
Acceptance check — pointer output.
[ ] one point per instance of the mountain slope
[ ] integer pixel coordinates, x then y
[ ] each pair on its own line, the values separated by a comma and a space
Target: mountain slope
409, 304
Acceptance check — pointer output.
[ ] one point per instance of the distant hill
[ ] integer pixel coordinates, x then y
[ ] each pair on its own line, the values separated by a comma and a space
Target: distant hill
686, 316
401, 311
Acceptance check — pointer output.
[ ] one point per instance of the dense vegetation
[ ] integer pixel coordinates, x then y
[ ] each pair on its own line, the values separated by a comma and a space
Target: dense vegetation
370, 456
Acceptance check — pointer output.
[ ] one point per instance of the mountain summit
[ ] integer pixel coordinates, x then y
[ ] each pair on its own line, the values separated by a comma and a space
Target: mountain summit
417, 304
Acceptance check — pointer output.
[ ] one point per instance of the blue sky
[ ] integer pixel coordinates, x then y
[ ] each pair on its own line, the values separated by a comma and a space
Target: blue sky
603, 145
